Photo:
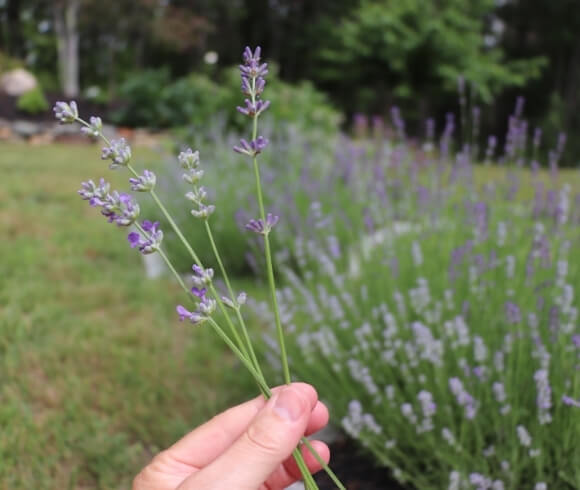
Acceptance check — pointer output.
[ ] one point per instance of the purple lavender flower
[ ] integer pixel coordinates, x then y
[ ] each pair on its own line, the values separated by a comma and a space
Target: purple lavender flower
200, 293
543, 399
96, 195
66, 113
255, 108
513, 313
201, 277
119, 152
253, 83
566, 400
398, 121
258, 226
143, 183
252, 67
252, 148
149, 243
94, 128
193, 316
118, 207
463, 398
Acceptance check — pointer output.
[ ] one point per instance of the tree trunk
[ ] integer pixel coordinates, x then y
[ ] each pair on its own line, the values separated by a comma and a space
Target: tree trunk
67, 36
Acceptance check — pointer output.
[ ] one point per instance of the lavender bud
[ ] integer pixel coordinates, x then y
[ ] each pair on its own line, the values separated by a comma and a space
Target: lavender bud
193, 316
189, 159
192, 176
197, 195
66, 113
253, 148
254, 109
149, 243
95, 127
96, 195
203, 212
567, 400
258, 226
143, 183
228, 302
119, 152
202, 277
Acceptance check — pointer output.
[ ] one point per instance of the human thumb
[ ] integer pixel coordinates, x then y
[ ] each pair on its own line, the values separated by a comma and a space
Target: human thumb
266, 443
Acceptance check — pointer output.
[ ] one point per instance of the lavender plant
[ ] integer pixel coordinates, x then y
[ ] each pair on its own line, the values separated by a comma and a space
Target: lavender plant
204, 299
449, 344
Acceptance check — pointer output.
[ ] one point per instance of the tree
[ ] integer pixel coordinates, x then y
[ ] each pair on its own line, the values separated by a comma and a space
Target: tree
66, 27
414, 52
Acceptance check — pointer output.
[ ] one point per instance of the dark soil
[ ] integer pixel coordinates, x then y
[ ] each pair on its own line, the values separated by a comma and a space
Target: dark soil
356, 470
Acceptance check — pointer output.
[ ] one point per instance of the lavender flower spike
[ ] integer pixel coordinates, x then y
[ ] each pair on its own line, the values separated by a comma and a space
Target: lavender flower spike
151, 242
253, 148
189, 159
143, 183
201, 277
258, 226
120, 208
254, 109
66, 113
95, 127
119, 152
192, 316
567, 400
96, 195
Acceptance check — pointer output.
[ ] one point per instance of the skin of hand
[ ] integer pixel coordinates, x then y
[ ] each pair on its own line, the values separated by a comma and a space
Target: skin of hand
247, 447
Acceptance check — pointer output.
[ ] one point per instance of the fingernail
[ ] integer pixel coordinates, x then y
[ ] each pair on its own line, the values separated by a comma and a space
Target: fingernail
289, 404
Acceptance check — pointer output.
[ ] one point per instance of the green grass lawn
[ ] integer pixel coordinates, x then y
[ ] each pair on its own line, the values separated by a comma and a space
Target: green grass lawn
96, 373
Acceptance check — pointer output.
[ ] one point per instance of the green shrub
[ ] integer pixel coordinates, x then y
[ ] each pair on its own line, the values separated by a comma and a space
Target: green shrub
33, 102
151, 99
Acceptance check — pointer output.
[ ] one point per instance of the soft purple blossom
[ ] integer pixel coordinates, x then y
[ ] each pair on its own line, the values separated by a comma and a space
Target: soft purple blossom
193, 316
543, 399
204, 211
254, 108
118, 207
66, 113
513, 312
189, 159
201, 277
94, 128
567, 400
95, 194
261, 227
252, 148
143, 183
149, 241
119, 152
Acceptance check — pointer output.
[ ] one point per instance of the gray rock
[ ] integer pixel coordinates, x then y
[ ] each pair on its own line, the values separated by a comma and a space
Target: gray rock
26, 129
17, 82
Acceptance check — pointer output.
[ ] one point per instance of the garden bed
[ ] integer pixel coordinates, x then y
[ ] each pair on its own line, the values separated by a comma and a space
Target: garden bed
358, 471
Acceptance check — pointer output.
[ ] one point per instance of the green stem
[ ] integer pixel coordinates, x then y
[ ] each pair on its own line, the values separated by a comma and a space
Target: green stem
325, 466
232, 297
268, 252
257, 376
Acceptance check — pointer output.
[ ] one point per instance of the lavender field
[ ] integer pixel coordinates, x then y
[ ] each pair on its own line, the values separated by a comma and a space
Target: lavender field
429, 290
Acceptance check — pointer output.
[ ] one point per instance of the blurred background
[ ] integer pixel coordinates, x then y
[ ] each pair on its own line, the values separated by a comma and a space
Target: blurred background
376, 105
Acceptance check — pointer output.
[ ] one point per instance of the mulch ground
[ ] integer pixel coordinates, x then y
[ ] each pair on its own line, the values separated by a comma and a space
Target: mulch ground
356, 470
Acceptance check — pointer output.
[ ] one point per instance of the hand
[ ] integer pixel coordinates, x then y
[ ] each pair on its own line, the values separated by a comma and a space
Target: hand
247, 447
